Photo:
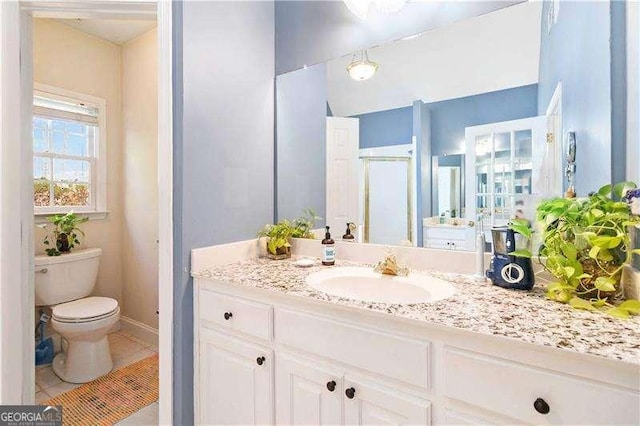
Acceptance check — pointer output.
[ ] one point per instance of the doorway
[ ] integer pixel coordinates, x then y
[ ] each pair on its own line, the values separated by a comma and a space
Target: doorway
16, 364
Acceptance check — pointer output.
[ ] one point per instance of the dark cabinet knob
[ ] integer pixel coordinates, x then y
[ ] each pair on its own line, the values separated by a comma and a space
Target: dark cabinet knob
260, 360
331, 385
351, 392
228, 315
541, 406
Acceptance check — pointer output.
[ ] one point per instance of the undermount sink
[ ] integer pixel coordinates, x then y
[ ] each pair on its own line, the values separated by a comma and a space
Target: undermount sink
367, 285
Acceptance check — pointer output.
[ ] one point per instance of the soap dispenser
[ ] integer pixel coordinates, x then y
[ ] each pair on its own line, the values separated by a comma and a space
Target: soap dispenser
348, 236
328, 249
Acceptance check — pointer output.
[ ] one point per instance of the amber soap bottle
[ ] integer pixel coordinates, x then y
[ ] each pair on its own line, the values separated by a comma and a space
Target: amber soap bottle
328, 249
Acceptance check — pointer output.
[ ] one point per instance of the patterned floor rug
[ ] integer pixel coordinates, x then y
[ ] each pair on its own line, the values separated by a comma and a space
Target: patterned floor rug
112, 397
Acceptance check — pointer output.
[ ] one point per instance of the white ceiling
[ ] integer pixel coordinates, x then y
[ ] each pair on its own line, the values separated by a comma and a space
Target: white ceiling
491, 52
118, 31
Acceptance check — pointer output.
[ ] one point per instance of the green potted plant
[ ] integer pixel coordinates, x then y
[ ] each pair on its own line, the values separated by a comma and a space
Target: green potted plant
279, 235
303, 226
65, 233
585, 244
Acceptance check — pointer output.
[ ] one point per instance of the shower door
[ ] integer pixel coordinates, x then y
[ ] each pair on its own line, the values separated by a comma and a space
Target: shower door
387, 200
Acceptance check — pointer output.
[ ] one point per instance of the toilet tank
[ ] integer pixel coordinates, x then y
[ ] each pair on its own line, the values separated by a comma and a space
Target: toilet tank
67, 277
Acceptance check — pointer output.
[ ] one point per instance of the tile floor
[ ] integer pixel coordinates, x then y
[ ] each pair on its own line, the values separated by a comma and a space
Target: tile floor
125, 350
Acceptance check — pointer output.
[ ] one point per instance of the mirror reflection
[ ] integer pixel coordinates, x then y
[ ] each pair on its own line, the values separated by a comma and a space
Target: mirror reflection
422, 141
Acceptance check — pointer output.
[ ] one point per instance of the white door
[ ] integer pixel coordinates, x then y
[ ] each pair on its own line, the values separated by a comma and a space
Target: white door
342, 173
368, 404
236, 381
307, 394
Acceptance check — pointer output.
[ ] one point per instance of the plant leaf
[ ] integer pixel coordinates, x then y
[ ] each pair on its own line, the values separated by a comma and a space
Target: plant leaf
620, 189
521, 253
579, 303
605, 284
633, 306
563, 296
570, 271
521, 227
618, 313
605, 190
570, 251
550, 218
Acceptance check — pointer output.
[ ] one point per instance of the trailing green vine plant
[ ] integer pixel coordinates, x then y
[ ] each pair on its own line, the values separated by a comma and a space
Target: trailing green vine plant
279, 235
585, 244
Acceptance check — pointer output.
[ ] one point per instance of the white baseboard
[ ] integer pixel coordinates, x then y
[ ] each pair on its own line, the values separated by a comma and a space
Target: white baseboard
139, 330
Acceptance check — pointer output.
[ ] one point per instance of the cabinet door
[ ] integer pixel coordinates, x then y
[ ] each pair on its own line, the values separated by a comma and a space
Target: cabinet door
369, 404
235, 381
306, 393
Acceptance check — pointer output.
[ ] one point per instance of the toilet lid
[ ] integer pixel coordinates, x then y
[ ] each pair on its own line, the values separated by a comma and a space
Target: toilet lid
84, 309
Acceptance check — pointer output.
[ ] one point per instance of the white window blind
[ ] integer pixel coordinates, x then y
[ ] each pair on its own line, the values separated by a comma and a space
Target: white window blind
62, 110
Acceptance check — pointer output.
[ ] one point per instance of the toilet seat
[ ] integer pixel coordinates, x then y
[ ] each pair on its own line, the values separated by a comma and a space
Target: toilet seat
84, 310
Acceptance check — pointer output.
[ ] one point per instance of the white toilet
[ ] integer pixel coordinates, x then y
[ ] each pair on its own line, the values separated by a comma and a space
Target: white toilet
64, 283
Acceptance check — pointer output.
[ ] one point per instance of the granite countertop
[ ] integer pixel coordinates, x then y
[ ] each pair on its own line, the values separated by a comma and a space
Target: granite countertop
476, 306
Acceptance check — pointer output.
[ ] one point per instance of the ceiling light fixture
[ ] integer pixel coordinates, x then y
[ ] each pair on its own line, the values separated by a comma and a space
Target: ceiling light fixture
361, 69
361, 8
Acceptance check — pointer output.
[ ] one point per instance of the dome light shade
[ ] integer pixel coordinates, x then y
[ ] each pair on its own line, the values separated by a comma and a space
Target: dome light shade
390, 6
361, 8
362, 69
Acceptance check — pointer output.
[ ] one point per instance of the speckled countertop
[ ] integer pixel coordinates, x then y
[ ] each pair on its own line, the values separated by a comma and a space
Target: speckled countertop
476, 306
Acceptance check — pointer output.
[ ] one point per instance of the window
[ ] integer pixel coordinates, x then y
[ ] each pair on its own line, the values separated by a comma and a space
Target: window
68, 151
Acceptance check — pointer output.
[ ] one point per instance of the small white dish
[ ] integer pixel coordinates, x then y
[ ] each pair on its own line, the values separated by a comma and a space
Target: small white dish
305, 262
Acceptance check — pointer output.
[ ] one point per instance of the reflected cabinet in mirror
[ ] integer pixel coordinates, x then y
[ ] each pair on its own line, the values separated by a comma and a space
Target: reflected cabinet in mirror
427, 140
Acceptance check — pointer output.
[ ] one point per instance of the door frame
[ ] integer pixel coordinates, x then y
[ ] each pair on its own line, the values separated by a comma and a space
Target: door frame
17, 223
537, 125
367, 160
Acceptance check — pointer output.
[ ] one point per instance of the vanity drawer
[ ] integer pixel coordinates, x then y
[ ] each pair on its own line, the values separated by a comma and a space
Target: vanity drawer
399, 358
234, 313
511, 389
445, 233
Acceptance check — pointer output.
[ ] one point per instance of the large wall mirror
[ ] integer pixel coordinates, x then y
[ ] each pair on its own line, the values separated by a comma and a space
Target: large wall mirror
419, 140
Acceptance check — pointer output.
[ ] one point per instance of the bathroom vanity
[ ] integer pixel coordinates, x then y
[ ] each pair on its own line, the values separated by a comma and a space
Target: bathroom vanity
271, 349
448, 236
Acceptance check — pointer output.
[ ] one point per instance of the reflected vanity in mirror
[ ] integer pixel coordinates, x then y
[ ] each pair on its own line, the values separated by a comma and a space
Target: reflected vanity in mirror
442, 131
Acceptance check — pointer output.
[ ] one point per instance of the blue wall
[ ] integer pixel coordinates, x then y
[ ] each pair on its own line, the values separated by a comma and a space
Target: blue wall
301, 108
577, 53
390, 127
310, 32
450, 117
224, 147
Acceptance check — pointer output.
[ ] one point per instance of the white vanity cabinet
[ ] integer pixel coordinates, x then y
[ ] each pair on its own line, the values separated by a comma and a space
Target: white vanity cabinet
308, 393
446, 237
372, 404
266, 358
235, 380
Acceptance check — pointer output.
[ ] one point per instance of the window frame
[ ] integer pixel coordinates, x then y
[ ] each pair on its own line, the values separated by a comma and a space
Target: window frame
98, 181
